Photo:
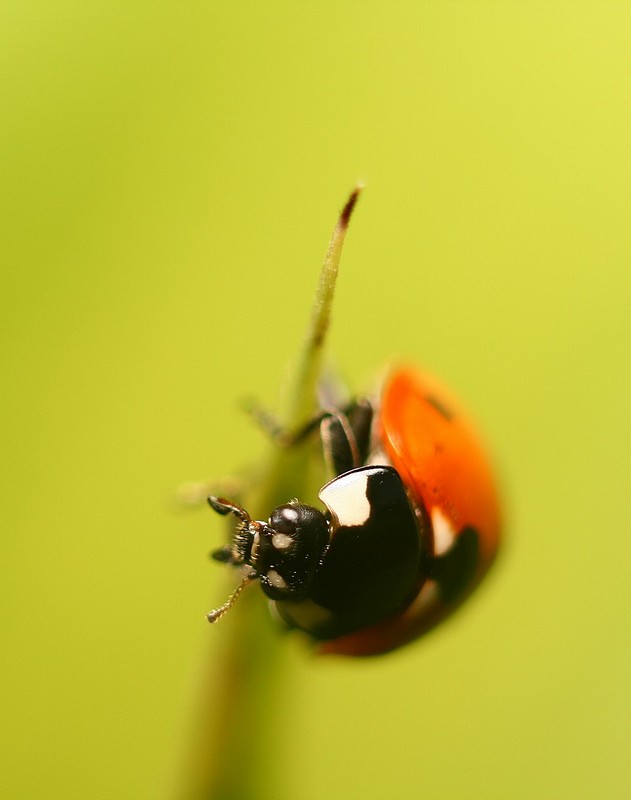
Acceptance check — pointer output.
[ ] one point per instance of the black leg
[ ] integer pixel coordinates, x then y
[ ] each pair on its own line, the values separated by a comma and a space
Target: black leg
345, 433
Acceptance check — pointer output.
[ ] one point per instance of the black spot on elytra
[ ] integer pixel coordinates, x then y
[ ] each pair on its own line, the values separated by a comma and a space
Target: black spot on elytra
439, 406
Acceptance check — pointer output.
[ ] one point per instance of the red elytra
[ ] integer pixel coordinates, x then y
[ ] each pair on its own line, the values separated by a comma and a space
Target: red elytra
434, 446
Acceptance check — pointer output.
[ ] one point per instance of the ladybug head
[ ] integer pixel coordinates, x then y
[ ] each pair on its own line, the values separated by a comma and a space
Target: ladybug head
283, 553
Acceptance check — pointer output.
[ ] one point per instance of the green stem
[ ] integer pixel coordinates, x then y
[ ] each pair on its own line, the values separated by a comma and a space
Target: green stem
227, 754
307, 375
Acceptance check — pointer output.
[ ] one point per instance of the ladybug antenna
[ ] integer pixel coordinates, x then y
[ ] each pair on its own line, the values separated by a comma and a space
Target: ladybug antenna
223, 507
238, 552
217, 613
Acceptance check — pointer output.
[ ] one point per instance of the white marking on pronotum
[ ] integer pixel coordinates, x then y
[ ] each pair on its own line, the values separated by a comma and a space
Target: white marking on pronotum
444, 534
276, 580
281, 541
345, 497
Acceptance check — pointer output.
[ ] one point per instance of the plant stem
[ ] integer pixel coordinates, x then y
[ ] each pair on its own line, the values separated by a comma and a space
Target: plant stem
228, 757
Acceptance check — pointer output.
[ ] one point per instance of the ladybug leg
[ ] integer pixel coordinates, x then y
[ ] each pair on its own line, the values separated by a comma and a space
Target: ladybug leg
346, 436
339, 443
345, 433
272, 427
285, 438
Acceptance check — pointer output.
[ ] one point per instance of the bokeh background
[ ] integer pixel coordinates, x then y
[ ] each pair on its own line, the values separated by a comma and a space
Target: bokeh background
170, 174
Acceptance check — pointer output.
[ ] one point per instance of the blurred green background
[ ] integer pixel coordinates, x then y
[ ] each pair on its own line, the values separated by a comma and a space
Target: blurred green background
170, 174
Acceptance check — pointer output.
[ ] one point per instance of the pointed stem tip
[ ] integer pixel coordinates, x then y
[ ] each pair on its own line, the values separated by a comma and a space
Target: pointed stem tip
301, 403
347, 211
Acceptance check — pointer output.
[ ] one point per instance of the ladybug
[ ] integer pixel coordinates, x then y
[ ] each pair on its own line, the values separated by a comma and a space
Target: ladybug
408, 526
